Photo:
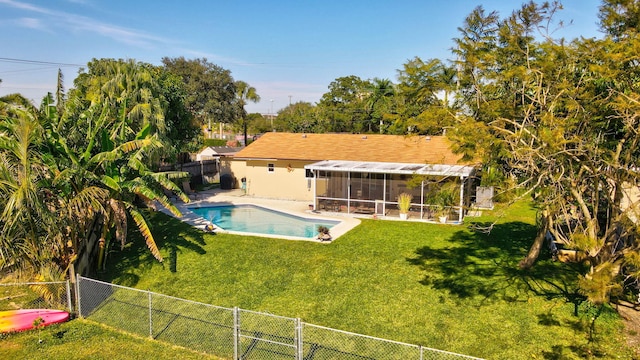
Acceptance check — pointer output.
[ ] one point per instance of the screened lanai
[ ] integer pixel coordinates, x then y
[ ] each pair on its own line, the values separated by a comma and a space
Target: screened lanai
372, 188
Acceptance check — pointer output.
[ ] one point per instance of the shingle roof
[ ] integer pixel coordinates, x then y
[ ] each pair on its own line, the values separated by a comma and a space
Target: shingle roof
351, 147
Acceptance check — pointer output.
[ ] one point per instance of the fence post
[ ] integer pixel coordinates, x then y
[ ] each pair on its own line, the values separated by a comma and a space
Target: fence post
69, 303
78, 302
299, 342
421, 352
150, 315
236, 332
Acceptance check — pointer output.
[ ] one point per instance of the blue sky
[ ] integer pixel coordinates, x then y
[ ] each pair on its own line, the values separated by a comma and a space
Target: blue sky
288, 50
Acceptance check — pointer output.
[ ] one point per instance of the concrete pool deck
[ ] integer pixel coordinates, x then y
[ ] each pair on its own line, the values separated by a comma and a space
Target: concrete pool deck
237, 197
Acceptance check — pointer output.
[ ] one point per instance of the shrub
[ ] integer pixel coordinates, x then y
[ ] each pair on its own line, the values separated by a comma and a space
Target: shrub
404, 202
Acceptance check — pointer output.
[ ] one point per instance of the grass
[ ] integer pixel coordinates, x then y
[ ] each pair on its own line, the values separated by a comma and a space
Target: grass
82, 339
439, 286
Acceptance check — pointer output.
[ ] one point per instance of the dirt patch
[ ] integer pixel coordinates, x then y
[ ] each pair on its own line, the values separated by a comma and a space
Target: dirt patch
631, 316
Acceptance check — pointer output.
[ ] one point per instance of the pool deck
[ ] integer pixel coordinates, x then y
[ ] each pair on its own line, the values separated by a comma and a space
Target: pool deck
237, 197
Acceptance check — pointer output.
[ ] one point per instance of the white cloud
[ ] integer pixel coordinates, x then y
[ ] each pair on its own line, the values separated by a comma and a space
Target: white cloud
31, 23
79, 23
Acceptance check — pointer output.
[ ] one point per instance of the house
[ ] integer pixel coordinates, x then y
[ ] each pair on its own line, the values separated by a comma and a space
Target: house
352, 173
215, 152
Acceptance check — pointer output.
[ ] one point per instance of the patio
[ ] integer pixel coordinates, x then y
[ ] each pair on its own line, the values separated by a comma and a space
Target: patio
371, 189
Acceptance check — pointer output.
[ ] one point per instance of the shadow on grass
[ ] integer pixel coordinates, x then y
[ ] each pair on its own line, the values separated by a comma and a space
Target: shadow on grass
485, 267
172, 237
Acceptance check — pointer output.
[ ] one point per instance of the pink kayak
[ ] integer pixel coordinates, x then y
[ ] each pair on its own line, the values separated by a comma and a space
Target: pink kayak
20, 320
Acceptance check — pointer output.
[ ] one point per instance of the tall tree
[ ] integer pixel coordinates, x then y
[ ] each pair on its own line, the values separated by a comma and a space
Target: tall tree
118, 106
210, 89
27, 216
343, 107
60, 95
300, 117
567, 126
380, 103
182, 128
125, 95
425, 88
245, 93
475, 51
620, 18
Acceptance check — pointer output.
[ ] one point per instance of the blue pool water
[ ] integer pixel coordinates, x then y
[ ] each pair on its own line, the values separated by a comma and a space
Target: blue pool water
256, 219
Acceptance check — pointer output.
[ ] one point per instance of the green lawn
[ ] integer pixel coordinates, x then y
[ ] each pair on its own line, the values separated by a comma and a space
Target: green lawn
439, 286
82, 339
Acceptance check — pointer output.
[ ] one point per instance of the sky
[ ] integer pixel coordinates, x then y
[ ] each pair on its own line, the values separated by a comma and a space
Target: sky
289, 50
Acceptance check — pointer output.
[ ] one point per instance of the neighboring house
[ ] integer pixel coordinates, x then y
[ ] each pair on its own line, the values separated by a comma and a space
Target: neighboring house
351, 173
207, 167
215, 152
630, 202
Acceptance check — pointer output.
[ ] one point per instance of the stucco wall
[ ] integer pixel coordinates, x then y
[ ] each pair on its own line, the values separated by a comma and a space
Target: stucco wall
287, 181
234, 167
630, 201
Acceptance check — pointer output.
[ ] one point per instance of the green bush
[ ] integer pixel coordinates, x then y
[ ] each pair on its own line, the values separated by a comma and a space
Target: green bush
215, 142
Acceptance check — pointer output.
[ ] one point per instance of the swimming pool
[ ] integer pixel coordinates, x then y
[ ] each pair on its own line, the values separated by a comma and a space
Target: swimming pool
259, 220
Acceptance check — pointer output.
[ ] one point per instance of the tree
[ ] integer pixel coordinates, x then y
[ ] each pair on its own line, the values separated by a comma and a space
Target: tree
425, 89
245, 93
300, 117
620, 18
65, 177
182, 127
342, 107
474, 52
125, 95
566, 129
379, 103
118, 106
258, 124
28, 209
210, 89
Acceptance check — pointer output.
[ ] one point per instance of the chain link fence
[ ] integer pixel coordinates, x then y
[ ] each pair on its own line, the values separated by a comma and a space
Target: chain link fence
233, 333
36, 295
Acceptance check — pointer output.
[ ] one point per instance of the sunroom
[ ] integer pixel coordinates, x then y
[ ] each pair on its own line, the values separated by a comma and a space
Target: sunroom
372, 188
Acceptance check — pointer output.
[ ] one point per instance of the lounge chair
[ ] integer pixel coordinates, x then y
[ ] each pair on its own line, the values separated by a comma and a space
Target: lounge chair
171, 195
190, 193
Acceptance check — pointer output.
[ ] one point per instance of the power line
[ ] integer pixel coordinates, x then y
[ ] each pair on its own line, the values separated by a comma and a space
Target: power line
36, 62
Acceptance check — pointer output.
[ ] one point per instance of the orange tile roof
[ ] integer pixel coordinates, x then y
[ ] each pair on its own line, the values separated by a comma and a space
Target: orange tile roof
351, 147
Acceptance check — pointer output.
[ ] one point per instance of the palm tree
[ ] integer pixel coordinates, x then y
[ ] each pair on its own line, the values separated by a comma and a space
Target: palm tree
64, 177
29, 217
122, 124
245, 93
381, 94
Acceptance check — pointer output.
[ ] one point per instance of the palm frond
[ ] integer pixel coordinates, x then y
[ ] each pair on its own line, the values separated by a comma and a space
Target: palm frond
111, 183
89, 201
133, 145
138, 218
137, 165
171, 174
105, 156
164, 180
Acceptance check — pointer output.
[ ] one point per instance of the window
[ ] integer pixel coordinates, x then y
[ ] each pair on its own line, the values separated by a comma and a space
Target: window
271, 168
308, 173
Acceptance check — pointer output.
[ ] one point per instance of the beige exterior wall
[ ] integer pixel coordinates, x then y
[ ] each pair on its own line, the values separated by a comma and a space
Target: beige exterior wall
287, 181
236, 168
631, 201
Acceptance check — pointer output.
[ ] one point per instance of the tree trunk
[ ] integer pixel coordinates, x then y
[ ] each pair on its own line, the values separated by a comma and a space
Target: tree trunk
244, 127
534, 251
